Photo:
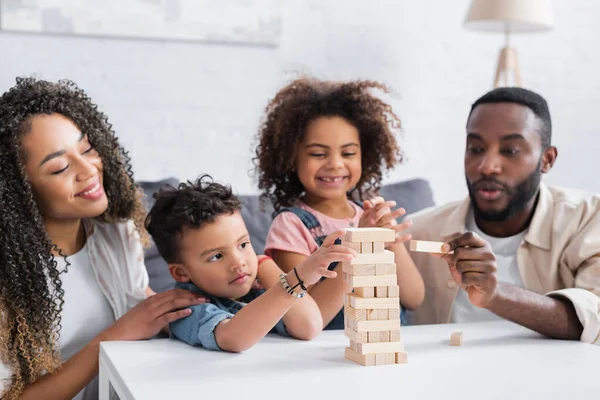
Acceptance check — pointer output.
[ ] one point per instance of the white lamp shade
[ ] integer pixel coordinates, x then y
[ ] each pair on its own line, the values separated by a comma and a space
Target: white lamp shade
511, 15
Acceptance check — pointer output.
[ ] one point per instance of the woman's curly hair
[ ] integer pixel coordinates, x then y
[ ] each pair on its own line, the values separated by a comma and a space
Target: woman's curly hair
304, 100
31, 296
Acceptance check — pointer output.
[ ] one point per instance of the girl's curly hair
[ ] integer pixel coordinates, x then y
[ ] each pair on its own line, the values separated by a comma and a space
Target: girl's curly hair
304, 100
31, 296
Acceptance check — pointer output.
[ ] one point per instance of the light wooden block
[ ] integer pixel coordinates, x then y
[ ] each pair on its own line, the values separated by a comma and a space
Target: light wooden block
394, 314
401, 357
378, 247
381, 291
385, 269
357, 337
353, 245
358, 269
369, 235
372, 315
390, 358
456, 339
376, 348
387, 257
366, 247
385, 337
370, 280
372, 326
357, 315
373, 337
361, 303
380, 359
395, 336
383, 315
363, 359
366, 292
393, 291
428, 247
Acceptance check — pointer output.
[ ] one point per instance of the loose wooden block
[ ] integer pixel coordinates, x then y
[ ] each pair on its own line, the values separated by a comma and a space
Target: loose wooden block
369, 235
358, 269
363, 359
394, 314
387, 257
370, 280
401, 357
366, 292
379, 303
385, 269
366, 247
372, 326
393, 291
378, 247
353, 245
381, 291
376, 348
357, 337
427, 247
456, 339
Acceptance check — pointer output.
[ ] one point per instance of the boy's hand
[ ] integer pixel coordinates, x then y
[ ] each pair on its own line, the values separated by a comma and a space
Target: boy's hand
315, 266
379, 214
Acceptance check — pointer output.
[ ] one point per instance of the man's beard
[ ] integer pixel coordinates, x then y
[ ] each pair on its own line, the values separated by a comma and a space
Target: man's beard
518, 196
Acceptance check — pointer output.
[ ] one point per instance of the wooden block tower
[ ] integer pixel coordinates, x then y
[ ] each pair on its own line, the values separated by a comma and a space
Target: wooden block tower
372, 312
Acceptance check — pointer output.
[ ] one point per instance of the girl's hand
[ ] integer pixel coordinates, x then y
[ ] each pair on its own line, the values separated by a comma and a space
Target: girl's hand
151, 315
379, 214
315, 266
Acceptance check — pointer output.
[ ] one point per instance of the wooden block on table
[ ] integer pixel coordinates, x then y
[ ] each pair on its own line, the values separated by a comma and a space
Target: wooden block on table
370, 280
357, 337
385, 269
390, 358
376, 348
353, 245
456, 339
387, 257
372, 326
380, 359
381, 291
428, 247
393, 291
370, 235
401, 357
394, 314
363, 359
358, 269
361, 303
378, 247
366, 292
366, 247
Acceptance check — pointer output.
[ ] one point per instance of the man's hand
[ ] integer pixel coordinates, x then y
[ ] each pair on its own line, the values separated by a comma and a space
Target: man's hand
473, 266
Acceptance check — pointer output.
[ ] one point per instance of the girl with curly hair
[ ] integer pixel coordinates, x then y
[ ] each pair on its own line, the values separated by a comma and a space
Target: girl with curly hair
321, 145
71, 230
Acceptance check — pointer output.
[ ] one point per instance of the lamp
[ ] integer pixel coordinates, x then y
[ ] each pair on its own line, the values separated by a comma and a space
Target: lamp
510, 16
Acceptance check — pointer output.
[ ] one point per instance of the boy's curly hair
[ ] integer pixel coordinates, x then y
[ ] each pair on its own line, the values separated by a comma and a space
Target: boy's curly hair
191, 205
31, 294
304, 100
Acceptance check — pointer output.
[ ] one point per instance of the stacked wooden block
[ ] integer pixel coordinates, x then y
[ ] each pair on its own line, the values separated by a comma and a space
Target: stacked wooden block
372, 312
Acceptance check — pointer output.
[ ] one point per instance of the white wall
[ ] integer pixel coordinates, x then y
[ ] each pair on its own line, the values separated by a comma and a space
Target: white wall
186, 108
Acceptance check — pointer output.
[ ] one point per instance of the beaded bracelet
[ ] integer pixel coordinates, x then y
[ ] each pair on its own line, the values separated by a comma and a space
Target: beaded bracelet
288, 288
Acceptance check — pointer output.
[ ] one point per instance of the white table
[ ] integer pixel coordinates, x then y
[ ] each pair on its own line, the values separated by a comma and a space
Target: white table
498, 360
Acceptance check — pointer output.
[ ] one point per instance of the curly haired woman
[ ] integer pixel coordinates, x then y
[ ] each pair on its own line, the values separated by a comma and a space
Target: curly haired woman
322, 143
71, 230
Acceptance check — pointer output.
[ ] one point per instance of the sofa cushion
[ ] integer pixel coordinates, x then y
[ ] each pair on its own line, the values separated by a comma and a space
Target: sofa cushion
413, 195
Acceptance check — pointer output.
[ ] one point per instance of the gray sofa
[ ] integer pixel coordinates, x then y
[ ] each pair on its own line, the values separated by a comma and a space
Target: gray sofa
413, 195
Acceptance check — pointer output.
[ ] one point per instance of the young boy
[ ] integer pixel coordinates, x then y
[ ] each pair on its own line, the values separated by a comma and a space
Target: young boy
199, 231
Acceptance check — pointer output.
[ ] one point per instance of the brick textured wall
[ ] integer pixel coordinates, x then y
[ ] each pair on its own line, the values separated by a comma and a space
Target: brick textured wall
187, 108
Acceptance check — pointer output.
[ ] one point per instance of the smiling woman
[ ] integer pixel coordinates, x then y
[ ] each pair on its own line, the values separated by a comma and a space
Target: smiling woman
71, 233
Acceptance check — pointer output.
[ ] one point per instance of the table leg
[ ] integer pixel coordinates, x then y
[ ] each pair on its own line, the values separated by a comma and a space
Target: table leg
103, 381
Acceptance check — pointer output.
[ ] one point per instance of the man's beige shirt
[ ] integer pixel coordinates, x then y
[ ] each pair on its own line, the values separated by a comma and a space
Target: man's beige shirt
559, 255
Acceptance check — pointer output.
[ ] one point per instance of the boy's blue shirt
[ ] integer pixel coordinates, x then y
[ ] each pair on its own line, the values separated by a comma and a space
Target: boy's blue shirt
198, 329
